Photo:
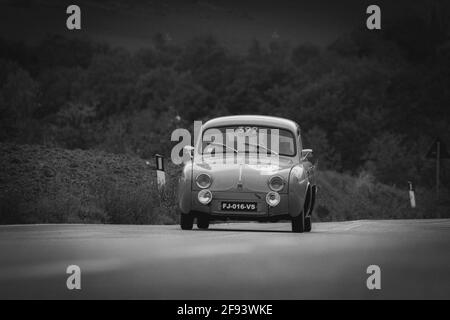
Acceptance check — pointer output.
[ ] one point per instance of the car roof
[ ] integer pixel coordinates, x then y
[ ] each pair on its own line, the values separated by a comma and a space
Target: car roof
255, 120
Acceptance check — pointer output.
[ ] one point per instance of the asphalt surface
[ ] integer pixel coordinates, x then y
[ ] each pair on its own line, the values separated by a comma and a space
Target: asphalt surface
229, 261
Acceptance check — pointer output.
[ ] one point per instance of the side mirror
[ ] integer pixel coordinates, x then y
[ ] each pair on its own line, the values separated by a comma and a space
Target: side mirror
188, 153
306, 154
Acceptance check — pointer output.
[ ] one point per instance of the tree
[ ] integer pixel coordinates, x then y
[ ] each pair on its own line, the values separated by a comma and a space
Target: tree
303, 53
389, 159
324, 153
18, 102
74, 127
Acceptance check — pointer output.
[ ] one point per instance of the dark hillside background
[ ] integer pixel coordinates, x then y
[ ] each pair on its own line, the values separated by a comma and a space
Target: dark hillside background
369, 103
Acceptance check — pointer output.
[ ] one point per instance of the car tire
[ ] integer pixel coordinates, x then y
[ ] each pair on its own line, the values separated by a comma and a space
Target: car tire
186, 221
298, 223
203, 221
308, 224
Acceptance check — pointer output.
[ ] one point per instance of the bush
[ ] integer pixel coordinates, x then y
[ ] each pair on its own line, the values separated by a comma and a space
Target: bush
45, 185
343, 197
142, 204
10, 208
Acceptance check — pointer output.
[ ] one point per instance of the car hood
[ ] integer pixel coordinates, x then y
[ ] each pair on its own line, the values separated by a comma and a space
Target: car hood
243, 176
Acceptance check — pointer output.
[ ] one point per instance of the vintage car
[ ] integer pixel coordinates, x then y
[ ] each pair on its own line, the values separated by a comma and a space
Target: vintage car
228, 183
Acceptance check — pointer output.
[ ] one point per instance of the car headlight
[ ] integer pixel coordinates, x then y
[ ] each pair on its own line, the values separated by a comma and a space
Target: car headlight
204, 196
273, 198
203, 181
276, 183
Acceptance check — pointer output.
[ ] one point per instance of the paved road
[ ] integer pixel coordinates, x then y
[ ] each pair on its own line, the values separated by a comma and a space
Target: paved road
241, 260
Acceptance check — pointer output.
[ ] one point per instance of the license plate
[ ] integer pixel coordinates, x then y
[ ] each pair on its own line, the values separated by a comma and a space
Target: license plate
238, 206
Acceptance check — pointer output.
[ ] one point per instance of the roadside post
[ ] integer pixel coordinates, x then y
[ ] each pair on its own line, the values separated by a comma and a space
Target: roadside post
438, 151
438, 158
412, 197
160, 173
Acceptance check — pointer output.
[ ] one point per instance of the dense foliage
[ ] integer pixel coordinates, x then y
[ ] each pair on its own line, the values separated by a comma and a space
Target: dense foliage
53, 185
370, 102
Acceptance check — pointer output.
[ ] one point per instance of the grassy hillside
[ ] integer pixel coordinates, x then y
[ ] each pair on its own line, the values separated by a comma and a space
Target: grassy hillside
343, 197
45, 185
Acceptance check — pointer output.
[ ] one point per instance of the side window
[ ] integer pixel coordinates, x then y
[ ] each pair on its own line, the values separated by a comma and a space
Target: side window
300, 145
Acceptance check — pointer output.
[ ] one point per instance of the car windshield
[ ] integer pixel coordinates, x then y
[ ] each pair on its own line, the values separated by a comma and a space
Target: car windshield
248, 139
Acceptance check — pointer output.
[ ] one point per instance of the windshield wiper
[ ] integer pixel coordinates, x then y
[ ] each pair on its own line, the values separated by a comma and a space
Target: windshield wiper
247, 144
261, 146
223, 145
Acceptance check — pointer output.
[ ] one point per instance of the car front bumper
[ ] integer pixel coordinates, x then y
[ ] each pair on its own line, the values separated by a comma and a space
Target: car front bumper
263, 209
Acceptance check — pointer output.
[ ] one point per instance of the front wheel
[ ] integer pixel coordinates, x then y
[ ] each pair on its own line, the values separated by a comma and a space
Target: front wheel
308, 224
203, 221
298, 223
186, 221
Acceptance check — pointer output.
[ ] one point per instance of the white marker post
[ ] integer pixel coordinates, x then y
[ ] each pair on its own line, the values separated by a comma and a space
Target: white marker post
438, 159
437, 152
160, 174
412, 197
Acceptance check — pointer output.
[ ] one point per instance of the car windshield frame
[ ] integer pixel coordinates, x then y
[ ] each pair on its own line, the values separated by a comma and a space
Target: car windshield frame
292, 136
